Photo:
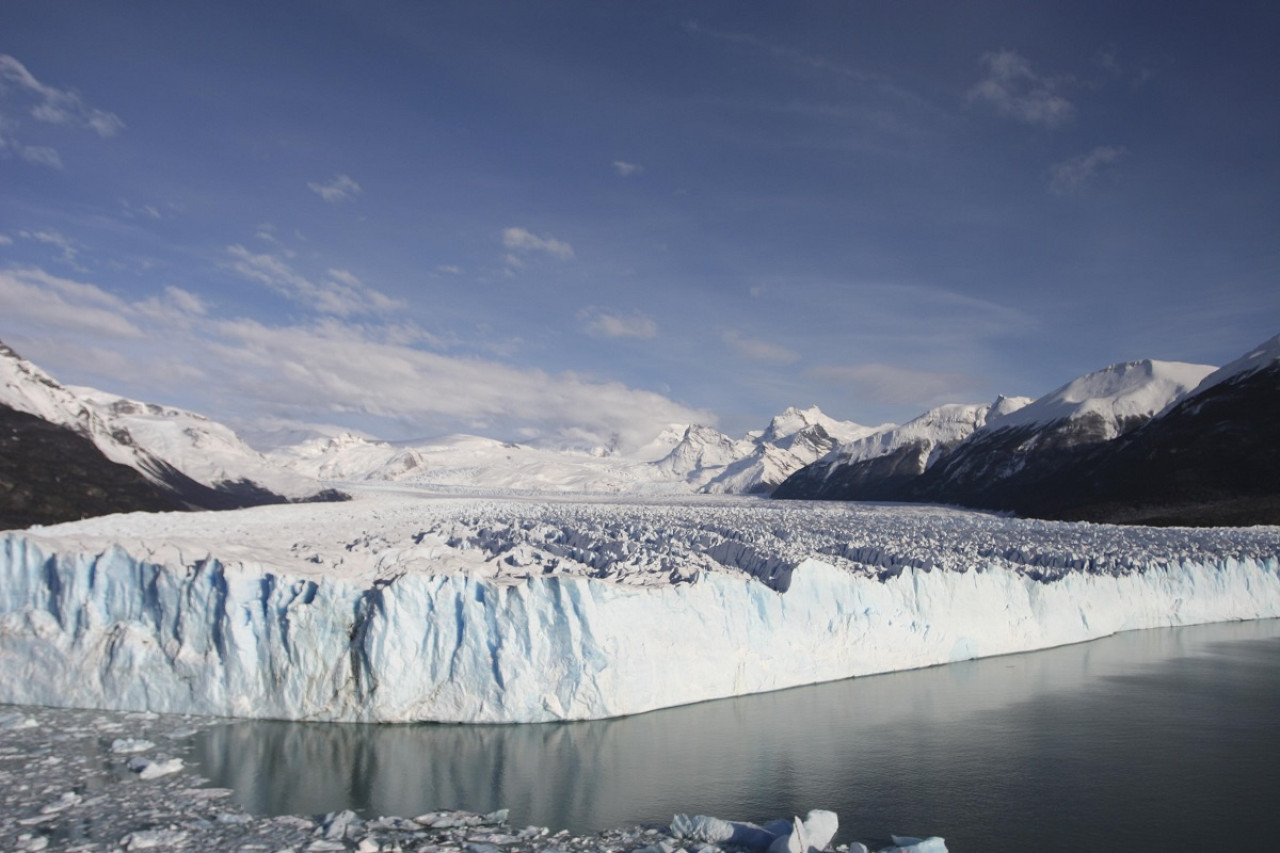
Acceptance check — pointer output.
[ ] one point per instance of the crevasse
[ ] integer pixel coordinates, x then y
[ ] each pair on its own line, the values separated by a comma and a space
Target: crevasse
107, 629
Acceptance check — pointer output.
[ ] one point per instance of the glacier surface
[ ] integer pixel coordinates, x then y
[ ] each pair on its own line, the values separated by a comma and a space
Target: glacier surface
400, 608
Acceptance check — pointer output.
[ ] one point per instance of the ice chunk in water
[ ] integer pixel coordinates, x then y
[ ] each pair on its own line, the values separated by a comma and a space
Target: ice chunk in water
909, 844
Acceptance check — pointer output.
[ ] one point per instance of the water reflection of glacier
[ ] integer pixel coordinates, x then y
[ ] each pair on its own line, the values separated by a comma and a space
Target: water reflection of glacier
942, 750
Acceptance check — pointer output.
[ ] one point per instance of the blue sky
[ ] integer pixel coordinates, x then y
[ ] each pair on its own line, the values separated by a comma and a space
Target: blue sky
587, 219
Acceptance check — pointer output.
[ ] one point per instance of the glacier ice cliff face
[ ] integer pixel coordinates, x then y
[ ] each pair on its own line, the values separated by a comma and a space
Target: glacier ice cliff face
113, 627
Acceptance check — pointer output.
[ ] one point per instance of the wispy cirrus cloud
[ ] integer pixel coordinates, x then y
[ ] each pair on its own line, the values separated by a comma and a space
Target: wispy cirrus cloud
341, 293
46, 104
808, 60
756, 349
337, 189
54, 105
888, 384
1015, 90
1074, 173
625, 169
68, 251
784, 52
602, 323
522, 240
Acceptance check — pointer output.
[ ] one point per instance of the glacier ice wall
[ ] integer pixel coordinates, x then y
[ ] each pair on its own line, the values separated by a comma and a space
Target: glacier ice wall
107, 629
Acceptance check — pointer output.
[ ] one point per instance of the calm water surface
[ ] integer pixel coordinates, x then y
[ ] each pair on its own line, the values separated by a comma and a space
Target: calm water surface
1156, 740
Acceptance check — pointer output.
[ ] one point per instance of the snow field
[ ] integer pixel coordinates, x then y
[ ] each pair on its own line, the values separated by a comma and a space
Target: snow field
401, 609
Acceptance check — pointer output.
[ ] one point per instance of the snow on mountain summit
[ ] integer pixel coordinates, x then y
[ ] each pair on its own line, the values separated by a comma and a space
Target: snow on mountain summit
1118, 397
200, 459
939, 428
27, 388
794, 420
1260, 357
715, 463
202, 449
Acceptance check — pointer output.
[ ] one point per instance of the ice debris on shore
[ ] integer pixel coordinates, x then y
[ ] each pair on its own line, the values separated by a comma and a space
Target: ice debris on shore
64, 786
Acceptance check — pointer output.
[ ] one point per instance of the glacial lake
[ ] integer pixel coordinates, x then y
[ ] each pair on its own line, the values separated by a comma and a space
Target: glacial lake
1166, 739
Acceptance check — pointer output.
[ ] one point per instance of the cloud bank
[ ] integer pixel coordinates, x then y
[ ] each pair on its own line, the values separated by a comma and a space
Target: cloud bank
320, 371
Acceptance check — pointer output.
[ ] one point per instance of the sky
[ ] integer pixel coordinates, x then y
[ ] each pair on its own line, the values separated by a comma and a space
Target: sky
577, 222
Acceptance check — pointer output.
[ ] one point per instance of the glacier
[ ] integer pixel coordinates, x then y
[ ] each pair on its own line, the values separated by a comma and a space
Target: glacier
399, 608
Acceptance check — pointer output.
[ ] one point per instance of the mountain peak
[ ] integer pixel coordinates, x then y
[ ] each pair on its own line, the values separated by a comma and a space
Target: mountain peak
791, 420
1264, 355
1118, 394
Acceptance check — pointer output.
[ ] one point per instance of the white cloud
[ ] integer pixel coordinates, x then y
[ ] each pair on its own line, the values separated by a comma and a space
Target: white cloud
68, 253
339, 188
176, 308
315, 372
47, 104
41, 302
342, 295
758, 350
600, 323
1072, 174
6, 240
625, 169
41, 155
53, 105
132, 211
290, 369
1016, 91
520, 240
888, 384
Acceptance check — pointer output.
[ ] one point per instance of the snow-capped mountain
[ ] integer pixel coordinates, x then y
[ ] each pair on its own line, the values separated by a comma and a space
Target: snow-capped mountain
202, 462
1260, 359
1140, 441
204, 450
51, 473
701, 453
680, 459
1108, 402
348, 457
714, 463
1022, 447
1209, 458
878, 466
475, 463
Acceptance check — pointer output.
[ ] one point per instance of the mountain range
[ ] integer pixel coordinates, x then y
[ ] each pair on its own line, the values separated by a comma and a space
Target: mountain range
1141, 442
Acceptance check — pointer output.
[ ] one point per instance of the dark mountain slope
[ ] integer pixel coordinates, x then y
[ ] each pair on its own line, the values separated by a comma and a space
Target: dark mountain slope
50, 474
1212, 459
1210, 456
